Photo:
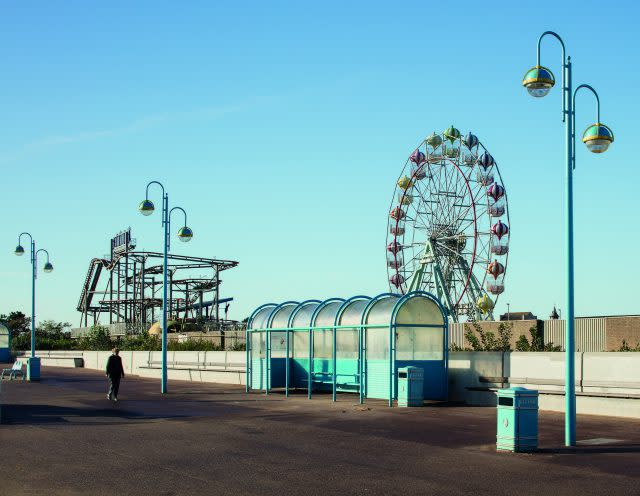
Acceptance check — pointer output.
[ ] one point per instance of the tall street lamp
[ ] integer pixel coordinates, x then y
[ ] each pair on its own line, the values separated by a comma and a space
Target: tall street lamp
184, 234
33, 364
538, 81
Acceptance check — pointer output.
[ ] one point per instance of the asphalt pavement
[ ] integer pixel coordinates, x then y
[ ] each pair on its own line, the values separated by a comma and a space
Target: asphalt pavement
62, 436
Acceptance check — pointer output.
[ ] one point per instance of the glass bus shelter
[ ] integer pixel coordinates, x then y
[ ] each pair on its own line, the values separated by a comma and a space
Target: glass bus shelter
354, 345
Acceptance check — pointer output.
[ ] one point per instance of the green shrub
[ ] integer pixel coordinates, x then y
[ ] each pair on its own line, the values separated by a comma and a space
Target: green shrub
481, 340
140, 342
97, 339
238, 347
193, 345
625, 346
536, 344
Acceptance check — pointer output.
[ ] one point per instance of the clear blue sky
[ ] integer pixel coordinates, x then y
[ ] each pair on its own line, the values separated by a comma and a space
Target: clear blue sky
282, 126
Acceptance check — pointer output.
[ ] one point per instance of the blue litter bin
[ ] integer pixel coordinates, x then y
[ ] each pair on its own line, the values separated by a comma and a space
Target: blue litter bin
33, 369
410, 386
517, 419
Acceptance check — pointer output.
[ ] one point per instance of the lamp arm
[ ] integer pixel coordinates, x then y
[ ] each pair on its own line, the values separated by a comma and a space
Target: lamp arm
573, 118
25, 234
42, 249
182, 210
595, 93
154, 182
565, 66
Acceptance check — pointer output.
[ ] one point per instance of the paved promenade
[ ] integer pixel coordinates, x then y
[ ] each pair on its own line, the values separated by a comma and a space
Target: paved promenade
62, 436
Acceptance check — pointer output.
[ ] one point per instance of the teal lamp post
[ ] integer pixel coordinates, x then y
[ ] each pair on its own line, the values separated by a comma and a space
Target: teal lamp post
33, 364
185, 234
538, 81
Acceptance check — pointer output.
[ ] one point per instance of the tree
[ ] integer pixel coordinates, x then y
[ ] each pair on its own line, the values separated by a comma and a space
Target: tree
17, 322
98, 338
536, 344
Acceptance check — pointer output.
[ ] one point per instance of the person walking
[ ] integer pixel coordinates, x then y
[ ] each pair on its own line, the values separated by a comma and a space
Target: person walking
115, 372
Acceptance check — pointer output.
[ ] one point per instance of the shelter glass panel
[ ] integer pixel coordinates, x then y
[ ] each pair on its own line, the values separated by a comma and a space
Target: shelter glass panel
258, 342
278, 344
378, 344
419, 343
380, 312
303, 316
347, 343
323, 344
4, 340
327, 315
353, 313
281, 319
259, 320
419, 310
300, 346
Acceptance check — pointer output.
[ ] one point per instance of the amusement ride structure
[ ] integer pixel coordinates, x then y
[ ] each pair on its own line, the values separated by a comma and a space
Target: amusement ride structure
125, 286
448, 227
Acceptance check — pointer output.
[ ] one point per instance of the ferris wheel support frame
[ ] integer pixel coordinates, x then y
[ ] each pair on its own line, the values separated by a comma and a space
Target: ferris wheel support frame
416, 278
429, 258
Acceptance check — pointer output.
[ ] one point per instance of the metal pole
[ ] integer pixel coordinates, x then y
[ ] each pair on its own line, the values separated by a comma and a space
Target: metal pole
570, 394
286, 366
165, 212
334, 356
33, 298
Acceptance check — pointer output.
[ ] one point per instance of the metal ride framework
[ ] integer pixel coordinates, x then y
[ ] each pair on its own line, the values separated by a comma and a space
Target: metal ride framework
448, 228
127, 286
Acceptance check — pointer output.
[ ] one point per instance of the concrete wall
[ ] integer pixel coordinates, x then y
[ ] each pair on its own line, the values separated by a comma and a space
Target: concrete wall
602, 379
226, 367
606, 383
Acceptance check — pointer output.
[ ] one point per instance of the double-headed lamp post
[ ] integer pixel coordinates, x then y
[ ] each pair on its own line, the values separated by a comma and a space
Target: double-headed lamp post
33, 364
184, 234
597, 137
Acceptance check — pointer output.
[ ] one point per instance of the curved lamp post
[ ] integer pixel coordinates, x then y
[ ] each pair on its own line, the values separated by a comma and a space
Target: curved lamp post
538, 81
33, 364
185, 234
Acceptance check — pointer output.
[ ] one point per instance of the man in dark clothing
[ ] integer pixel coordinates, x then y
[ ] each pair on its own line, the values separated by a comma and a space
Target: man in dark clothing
115, 372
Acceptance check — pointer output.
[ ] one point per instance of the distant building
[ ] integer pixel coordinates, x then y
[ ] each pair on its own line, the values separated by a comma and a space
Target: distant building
518, 316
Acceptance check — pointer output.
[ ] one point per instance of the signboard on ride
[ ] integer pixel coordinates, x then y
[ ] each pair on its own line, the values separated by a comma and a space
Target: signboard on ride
122, 242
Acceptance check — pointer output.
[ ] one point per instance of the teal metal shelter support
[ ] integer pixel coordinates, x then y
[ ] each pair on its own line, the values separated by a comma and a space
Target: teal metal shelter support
353, 345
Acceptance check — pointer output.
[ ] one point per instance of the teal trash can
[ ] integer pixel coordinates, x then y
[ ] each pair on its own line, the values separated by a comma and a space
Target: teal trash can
517, 419
33, 369
410, 386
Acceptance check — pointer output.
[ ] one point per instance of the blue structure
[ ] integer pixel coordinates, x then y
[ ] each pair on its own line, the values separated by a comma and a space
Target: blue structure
5, 344
354, 345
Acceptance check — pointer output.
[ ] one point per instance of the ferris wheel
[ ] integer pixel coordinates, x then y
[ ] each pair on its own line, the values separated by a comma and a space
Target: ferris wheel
448, 227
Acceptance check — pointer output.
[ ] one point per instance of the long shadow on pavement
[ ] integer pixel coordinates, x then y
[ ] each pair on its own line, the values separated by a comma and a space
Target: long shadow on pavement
50, 414
632, 448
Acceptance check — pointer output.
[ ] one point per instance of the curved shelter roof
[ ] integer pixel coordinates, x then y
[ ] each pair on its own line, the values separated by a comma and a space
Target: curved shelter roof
416, 308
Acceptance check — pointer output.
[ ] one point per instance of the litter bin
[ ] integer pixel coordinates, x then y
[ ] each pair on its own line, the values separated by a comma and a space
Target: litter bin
33, 369
517, 419
410, 386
